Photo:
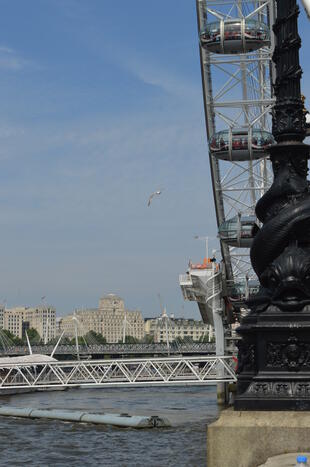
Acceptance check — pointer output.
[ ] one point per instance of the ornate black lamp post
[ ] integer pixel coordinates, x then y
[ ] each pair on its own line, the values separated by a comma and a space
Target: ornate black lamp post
274, 353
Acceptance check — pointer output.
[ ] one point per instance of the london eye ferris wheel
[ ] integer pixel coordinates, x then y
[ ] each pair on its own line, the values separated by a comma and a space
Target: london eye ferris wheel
235, 45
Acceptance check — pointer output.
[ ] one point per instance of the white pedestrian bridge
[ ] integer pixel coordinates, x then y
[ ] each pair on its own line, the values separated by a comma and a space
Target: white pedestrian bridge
40, 373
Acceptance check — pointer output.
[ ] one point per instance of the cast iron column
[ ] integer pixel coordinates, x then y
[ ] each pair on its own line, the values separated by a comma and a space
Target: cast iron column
274, 353
288, 117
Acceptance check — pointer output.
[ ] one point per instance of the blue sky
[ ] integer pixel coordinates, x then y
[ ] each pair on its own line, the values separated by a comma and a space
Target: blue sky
101, 104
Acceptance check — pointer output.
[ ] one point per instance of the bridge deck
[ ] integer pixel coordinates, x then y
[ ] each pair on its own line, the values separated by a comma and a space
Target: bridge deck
114, 349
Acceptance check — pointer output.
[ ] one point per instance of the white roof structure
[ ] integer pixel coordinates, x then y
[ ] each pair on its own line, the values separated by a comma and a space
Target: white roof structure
34, 359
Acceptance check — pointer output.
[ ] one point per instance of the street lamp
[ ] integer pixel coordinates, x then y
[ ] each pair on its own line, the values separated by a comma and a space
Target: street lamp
273, 362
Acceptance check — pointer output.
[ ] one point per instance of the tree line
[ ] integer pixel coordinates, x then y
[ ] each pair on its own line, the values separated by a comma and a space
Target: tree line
91, 337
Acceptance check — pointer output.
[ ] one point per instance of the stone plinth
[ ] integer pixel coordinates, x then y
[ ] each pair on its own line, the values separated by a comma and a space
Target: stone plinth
274, 360
249, 438
284, 460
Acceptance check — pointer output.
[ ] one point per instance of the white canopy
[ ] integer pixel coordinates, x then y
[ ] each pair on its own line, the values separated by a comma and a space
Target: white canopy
34, 359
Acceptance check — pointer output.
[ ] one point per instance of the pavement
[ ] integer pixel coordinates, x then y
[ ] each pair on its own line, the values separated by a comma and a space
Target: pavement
285, 460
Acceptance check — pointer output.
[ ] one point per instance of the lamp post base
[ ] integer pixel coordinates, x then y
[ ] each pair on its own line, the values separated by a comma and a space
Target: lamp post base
274, 361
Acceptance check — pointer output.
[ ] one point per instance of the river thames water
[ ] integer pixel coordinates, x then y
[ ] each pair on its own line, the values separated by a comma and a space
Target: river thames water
55, 443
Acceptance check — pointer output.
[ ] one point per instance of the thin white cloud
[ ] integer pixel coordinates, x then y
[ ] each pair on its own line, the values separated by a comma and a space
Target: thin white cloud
91, 161
10, 60
4, 49
149, 71
168, 80
139, 65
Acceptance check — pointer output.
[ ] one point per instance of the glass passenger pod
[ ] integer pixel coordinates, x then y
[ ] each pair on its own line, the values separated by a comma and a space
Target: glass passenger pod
234, 36
240, 145
238, 231
243, 289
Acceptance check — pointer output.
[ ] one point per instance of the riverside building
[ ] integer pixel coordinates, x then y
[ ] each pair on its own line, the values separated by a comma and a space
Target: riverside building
43, 319
1, 316
110, 319
177, 328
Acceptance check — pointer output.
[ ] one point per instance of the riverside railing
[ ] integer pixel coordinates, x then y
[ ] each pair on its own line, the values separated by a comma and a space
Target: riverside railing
114, 349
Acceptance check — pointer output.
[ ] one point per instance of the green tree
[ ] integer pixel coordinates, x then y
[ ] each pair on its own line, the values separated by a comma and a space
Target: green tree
129, 340
8, 334
12, 338
178, 340
93, 337
81, 341
148, 339
205, 338
33, 336
64, 341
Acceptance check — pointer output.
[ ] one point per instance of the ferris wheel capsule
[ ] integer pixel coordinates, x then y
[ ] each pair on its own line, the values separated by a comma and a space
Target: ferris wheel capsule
234, 36
240, 145
238, 231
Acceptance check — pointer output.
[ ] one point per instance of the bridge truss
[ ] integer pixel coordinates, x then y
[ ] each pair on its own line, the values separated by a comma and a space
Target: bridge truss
125, 372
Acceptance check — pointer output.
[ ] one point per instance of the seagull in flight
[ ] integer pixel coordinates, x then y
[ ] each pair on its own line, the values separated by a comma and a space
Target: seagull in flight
158, 192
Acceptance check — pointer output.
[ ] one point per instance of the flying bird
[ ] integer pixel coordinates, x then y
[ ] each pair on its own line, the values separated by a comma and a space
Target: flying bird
152, 196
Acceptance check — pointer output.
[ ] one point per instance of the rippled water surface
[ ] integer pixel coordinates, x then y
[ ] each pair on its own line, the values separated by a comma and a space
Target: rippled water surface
54, 443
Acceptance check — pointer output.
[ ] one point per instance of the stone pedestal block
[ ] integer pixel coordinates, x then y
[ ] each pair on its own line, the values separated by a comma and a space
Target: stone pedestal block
249, 438
274, 360
284, 460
